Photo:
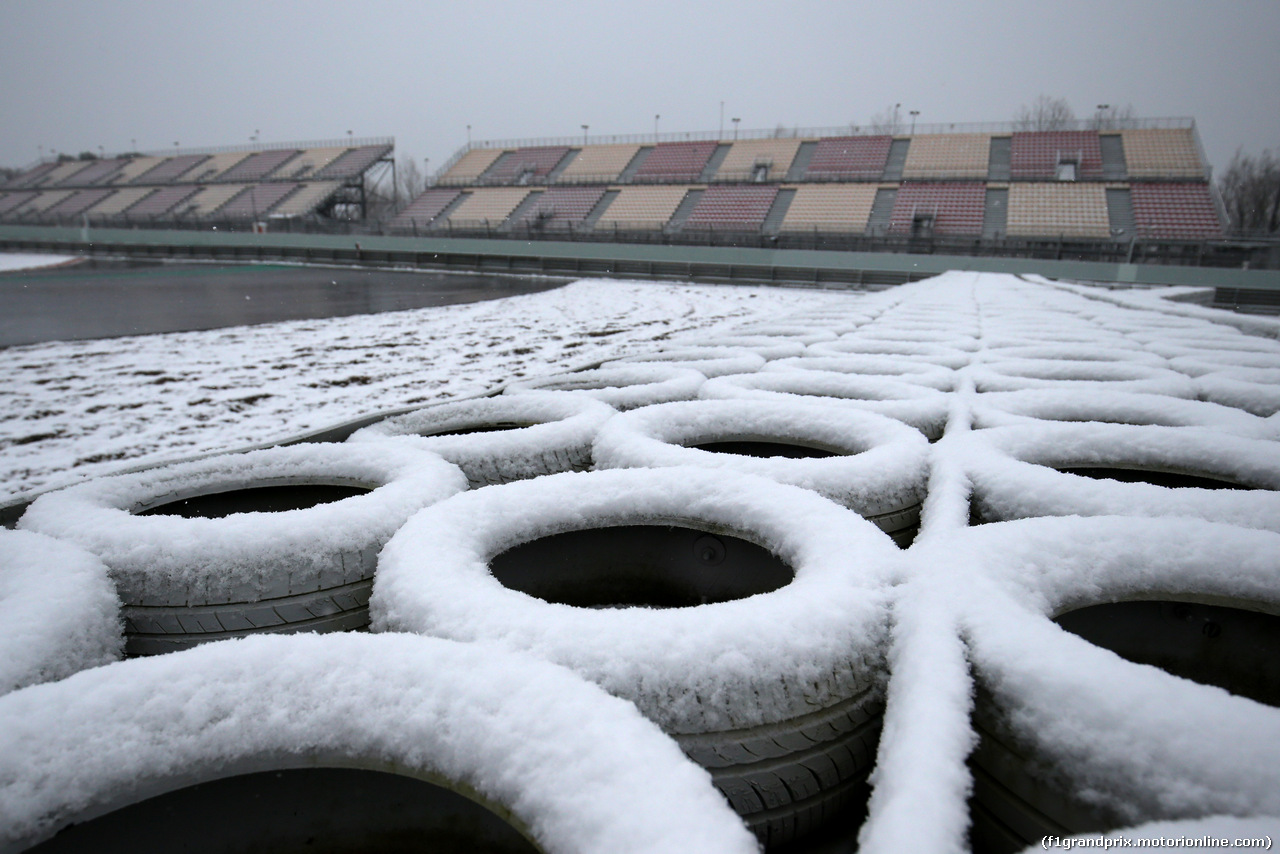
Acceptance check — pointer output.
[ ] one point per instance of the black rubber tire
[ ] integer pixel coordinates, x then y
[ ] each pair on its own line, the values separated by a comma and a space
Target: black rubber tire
504, 438
788, 753
240, 743
185, 581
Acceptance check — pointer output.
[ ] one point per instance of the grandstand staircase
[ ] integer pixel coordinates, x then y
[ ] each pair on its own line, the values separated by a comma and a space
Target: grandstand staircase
686, 207
634, 166
448, 210
1000, 159
521, 211
777, 212
1114, 167
897, 160
995, 213
1120, 213
590, 220
801, 162
497, 165
881, 211
713, 162
568, 158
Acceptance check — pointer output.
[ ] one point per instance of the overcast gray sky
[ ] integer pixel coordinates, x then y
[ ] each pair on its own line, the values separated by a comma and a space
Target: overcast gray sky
78, 74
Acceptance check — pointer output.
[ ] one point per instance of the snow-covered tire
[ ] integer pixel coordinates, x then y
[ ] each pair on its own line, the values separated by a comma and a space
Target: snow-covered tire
185, 581
709, 361
1005, 408
622, 387
1255, 390
778, 693
871, 464
503, 438
1076, 353
59, 612
1074, 737
916, 351
767, 346
118, 757
889, 367
1015, 374
924, 408
1062, 469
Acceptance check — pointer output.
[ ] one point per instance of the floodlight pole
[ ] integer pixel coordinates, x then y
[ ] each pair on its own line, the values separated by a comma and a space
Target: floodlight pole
914, 113
656, 116
584, 135
735, 128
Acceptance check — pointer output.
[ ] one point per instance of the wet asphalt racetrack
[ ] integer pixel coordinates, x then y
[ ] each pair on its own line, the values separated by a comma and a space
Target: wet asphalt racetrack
108, 299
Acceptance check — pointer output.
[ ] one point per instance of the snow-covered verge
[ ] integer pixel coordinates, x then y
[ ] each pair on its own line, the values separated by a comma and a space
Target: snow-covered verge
1016, 376
523, 736
84, 408
31, 261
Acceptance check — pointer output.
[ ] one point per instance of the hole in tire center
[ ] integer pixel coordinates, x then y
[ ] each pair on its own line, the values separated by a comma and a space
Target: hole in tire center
299, 810
651, 566
492, 427
261, 499
1232, 648
758, 448
1169, 479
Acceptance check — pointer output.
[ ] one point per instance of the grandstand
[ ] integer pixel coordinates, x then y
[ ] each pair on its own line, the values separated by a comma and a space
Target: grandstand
232, 185
1134, 180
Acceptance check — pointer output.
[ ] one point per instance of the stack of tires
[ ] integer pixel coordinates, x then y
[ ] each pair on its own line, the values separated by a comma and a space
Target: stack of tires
967, 563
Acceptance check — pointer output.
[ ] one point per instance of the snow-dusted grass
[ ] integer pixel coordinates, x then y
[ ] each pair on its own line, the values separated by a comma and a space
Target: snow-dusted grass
1076, 376
83, 408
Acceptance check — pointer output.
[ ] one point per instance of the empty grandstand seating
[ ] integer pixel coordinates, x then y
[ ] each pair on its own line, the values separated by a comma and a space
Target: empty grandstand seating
211, 168
1041, 155
830, 208
119, 201
29, 177
942, 208
843, 158
675, 161
732, 207
97, 172
308, 197
208, 200
425, 208
562, 207
596, 164
10, 201
524, 165
1067, 210
161, 202
352, 162
642, 208
77, 203
1171, 153
758, 159
470, 166
488, 205
947, 156
238, 184
259, 166
170, 168
256, 201
1174, 211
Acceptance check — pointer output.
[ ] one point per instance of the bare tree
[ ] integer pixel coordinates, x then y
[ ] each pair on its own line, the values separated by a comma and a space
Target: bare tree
885, 121
410, 181
1250, 189
1045, 113
1107, 117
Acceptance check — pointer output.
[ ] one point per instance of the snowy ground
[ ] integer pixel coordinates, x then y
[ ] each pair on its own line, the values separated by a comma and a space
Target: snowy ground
84, 408
1022, 378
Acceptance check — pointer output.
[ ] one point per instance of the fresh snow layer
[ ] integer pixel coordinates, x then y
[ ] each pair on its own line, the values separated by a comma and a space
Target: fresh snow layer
82, 408
58, 611
1090, 377
30, 261
580, 770
742, 663
879, 464
243, 557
